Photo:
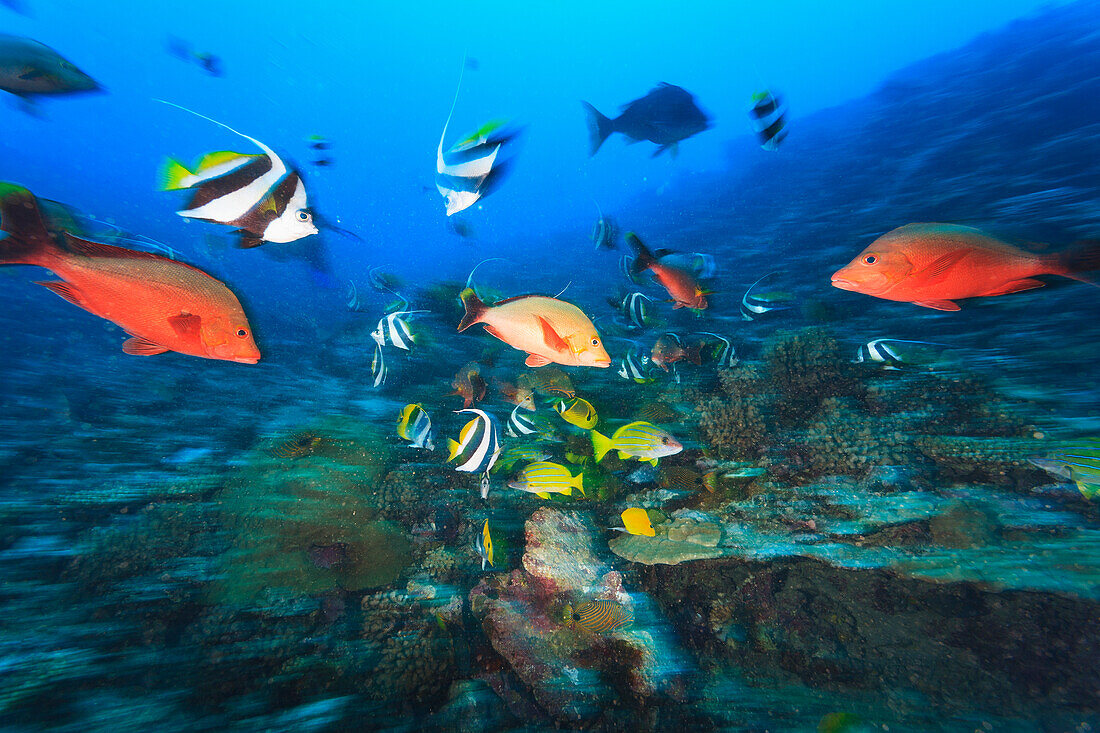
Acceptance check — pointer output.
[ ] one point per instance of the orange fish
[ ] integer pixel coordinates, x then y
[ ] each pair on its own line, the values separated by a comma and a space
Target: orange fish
163, 304
681, 285
548, 329
469, 385
933, 265
670, 349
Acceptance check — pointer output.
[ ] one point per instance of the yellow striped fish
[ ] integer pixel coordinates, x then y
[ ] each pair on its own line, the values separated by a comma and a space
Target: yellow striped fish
598, 617
642, 440
544, 478
579, 412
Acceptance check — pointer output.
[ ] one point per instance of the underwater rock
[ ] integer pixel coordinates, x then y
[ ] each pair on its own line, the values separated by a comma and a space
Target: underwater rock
685, 538
963, 526
560, 554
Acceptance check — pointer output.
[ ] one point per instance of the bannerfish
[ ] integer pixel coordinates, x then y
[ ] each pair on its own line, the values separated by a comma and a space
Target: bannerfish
545, 478
726, 354
393, 330
352, 298
767, 117
598, 617
256, 193
415, 425
519, 424
29, 68
469, 385
632, 368
642, 440
478, 445
886, 352
754, 306
636, 521
669, 349
548, 329
483, 543
626, 267
1078, 461
165, 305
933, 265
579, 412
665, 116
378, 369
681, 285
634, 307
604, 233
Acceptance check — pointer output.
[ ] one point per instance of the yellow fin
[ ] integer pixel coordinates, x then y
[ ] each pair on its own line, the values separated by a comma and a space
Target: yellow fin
170, 175
452, 449
542, 494
601, 444
219, 157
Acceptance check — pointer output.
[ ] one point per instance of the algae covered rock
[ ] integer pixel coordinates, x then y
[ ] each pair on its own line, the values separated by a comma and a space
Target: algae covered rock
685, 538
561, 551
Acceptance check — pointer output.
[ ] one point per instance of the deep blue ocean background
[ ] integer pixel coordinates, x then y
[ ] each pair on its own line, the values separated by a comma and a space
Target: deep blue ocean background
899, 566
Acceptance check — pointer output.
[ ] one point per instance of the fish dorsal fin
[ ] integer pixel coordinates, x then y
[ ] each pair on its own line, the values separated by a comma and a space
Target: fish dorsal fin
79, 246
940, 266
186, 324
514, 298
66, 290
552, 338
211, 160
138, 346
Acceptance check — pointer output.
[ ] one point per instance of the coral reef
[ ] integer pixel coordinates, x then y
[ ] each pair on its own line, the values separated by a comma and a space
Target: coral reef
687, 537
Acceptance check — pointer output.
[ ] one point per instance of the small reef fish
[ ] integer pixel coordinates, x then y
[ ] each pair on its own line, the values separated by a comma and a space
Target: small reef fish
636, 521
257, 194
1078, 461
378, 369
665, 116
933, 265
579, 412
519, 425
634, 307
604, 233
889, 353
163, 304
415, 425
632, 368
394, 330
641, 440
469, 385
545, 478
352, 297
478, 444
681, 285
29, 68
549, 381
548, 329
726, 354
626, 267
526, 453
598, 617
298, 446
698, 264
205, 60
767, 116
523, 397
669, 349
754, 306
483, 543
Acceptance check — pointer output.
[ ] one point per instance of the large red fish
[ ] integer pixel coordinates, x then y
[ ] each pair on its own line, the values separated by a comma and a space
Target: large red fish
681, 285
933, 265
164, 305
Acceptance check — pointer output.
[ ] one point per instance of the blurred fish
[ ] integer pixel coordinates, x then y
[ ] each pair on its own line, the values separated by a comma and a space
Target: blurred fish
415, 425
316, 142
598, 617
669, 348
767, 117
469, 385
647, 474
545, 478
889, 353
162, 304
626, 267
378, 369
299, 446
753, 306
636, 521
478, 444
681, 478
460, 227
933, 265
549, 381
681, 285
658, 412
352, 297
632, 367
665, 116
635, 309
524, 453
382, 281
548, 329
640, 440
29, 68
1078, 461
604, 233
523, 397
258, 194
579, 412
205, 60
698, 264
726, 355
322, 162
394, 330
520, 424
484, 545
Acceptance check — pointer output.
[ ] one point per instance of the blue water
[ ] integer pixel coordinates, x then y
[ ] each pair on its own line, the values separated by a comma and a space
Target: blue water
907, 588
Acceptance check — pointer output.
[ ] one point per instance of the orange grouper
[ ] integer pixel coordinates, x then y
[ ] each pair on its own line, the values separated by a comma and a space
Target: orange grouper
164, 305
548, 329
933, 265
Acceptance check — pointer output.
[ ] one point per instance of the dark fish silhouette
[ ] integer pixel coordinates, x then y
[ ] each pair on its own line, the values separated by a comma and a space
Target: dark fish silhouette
29, 68
665, 116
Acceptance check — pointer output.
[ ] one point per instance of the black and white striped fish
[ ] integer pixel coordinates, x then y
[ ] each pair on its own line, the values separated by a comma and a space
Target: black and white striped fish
520, 424
256, 193
754, 306
393, 329
351, 297
767, 117
626, 267
378, 368
604, 233
478, 445
887, 352
632, 367
727, 354
635, 309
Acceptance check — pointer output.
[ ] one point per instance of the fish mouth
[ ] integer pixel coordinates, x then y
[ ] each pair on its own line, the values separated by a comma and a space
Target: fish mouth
247, 359
843, 284
602, 363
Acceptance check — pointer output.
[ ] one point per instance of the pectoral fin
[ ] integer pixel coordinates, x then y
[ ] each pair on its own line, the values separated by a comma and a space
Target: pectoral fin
186, 324
534, 360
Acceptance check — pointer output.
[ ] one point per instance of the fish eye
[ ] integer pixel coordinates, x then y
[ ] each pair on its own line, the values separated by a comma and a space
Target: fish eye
241, 332
576, 617
664, 440
870, 259
302, 215
595, 342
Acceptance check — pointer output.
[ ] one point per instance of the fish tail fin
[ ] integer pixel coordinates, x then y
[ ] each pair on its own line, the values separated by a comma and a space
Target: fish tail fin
578, 483
1083, 257
27, 242
171, 174
643, 258
599, 127
694, 354
475, 309
452, 449
601, 444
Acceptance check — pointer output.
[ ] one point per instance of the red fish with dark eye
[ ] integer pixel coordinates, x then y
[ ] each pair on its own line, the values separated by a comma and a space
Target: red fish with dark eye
933, 265
682, 286
163, 304
669, 349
